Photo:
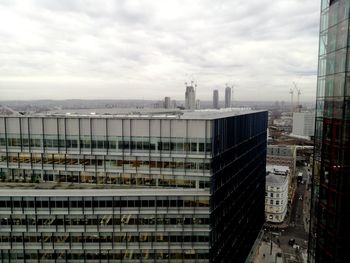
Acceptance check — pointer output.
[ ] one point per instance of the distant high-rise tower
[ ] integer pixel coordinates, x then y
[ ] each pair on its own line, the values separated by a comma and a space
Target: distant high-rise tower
330, 206
216, 99
198, 104
228, 91
190, 97
167, 103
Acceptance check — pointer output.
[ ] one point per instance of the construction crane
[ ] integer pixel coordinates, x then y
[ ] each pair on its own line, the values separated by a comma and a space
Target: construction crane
298, 94
298, 91
291, 92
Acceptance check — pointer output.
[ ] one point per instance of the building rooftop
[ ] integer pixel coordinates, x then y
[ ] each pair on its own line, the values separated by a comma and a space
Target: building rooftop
102, 192
135, 113
273, 179
277, 168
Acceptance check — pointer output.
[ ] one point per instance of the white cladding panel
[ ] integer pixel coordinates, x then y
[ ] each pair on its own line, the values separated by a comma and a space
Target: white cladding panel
85, 126
50, 126
72, 126
209, 128
98, 127
2, 125
126, 128
166, 128
114, 127
155, 128
24, 125
196, 129
178, 128
12, 125
139, 127
35, 125
61, 126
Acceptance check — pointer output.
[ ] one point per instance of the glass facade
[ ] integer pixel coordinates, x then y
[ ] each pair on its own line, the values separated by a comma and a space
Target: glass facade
130, 228
330, 207
237, 186
204, 178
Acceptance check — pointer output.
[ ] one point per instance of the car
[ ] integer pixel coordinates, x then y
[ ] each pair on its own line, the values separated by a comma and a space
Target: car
291, 242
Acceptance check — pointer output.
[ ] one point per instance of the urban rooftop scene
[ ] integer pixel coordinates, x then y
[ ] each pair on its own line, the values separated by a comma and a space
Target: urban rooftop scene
174, 131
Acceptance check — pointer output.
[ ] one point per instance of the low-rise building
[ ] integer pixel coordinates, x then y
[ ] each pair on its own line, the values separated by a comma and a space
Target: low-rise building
282, 155
276, 197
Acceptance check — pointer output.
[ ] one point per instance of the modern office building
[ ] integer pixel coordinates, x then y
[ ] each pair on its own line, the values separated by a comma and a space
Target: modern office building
276, 197
228, 92
190, 97
330, 206
303, 124
216, 99
186, 186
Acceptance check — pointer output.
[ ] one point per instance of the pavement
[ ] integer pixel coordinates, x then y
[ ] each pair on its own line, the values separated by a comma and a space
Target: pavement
263, 255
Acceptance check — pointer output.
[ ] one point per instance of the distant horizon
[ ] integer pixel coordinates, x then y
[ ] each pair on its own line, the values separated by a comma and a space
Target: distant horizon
81, 49
151, 100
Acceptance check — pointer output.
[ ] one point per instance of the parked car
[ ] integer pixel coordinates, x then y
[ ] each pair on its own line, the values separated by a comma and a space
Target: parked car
291, 242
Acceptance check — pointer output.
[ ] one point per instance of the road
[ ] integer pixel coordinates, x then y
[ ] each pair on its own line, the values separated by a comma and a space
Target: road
296, 228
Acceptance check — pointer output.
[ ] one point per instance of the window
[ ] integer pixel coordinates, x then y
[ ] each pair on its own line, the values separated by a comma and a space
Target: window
271, 194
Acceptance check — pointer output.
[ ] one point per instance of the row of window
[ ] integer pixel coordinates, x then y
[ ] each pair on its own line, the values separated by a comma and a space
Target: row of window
127, 254
277, 217
103, 162
115, 143
102, 220
275, 194
277, 202
124, 179
276, 188
103, 237
89, 203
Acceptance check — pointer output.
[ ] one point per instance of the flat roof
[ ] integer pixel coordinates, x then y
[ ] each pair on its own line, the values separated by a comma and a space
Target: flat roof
274, 179
278, 168
134, 113
17, 192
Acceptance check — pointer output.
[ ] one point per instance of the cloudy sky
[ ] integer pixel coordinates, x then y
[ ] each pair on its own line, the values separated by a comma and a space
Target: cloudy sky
148, 49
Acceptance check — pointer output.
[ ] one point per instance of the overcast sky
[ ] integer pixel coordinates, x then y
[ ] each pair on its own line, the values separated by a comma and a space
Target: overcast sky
126, 49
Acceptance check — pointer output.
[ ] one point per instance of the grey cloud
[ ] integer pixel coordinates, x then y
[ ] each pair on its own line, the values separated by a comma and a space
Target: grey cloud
156, 45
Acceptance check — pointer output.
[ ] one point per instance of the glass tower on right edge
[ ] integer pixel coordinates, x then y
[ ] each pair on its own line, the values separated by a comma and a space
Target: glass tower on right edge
330, 203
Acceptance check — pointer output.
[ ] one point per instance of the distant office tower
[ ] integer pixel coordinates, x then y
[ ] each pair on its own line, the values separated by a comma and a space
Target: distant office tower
216, 99
303, 123
228, 92
198, 104
181, 187
167, 103
330, 220
190, 98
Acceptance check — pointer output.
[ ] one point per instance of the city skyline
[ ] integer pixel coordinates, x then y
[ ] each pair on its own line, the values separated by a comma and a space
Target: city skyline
52, 50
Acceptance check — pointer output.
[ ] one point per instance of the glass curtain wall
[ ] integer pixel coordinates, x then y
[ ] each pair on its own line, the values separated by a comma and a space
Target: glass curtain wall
330, 208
